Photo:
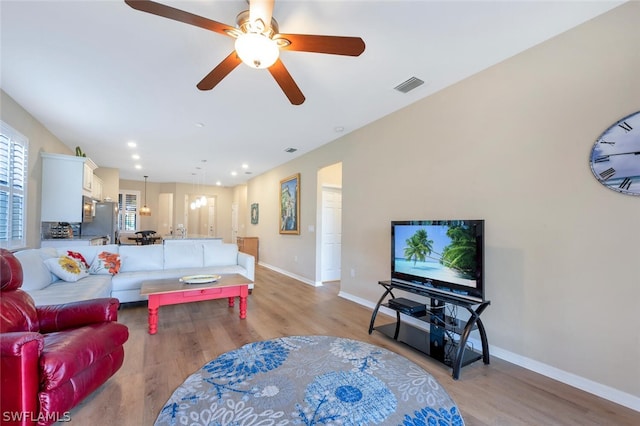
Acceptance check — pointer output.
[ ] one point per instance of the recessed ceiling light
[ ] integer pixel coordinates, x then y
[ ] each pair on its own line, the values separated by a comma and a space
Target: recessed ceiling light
135, 156
132, 144
339, 129
138, 166
245, 166
199, 124
234, 173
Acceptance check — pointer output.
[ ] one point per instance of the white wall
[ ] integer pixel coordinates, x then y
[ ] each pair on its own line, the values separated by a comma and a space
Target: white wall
510, 145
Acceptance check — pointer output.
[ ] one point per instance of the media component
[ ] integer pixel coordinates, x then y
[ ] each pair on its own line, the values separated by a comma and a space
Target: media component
446, 256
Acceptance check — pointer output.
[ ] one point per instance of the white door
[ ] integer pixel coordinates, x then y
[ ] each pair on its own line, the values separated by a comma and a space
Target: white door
165, 213
331, 233
211, 218
234, 222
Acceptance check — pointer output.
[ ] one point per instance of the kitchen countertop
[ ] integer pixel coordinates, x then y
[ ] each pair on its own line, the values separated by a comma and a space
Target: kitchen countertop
189, 237
76, 238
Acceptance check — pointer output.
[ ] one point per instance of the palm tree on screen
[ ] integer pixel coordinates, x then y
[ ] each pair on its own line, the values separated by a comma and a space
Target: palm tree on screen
419, 246
461, 253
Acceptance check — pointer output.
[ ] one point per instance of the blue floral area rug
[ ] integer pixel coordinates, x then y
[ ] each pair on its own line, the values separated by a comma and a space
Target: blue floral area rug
310, 380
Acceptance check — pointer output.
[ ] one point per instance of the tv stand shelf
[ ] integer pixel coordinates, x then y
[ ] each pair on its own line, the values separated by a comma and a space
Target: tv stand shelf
451, 352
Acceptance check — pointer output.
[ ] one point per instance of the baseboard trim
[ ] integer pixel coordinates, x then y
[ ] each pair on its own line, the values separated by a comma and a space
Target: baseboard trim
590, 386
290, 275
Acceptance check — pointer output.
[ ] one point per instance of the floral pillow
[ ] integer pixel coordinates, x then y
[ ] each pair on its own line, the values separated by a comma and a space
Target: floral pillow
106, 263
66, 268
79, 257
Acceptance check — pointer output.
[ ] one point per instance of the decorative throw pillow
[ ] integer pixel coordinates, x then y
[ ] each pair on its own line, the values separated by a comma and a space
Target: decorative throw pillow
66, 268
79, 257
106, 263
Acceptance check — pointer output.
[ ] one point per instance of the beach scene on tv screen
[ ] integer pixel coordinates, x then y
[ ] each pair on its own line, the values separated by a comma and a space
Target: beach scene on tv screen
439, 252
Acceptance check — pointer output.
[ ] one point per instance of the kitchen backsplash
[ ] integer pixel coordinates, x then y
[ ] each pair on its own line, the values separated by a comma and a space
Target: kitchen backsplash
59, 230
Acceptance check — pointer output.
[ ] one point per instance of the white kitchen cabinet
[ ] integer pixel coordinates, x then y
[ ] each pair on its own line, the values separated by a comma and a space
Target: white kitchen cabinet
96, 191
87, 176
62, 187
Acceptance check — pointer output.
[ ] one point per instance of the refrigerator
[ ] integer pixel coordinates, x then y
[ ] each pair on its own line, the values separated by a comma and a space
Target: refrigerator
104, 223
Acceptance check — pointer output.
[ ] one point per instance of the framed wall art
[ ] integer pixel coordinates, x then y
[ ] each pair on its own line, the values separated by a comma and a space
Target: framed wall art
290, 205
254, 214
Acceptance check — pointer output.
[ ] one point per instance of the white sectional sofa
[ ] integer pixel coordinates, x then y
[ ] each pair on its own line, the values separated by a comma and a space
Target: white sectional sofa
138, 263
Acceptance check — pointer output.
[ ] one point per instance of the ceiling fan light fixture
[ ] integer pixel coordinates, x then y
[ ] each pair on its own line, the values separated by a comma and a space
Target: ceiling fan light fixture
257, 50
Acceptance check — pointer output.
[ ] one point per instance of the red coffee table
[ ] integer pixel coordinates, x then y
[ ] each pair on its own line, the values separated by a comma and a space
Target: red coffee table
171, 291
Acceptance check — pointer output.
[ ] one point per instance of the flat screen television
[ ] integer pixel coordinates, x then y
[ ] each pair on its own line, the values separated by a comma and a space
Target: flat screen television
442, 256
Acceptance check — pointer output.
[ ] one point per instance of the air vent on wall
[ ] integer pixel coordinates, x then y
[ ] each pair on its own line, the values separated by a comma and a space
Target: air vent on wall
409, 85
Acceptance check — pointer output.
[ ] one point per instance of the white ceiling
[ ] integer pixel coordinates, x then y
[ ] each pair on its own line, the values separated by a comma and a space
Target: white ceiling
99, 74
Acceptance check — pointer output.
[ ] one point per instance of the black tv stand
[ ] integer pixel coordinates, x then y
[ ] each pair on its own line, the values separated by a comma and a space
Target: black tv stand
438, 342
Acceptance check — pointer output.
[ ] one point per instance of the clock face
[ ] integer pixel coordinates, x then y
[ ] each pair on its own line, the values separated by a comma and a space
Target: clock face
615, 157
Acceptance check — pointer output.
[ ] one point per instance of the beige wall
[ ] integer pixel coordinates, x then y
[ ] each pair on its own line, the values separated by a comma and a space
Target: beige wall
40, 140
510, 145
295, 254
244, 211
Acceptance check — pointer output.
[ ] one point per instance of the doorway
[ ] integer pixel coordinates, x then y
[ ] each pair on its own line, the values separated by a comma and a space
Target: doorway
165, 213
234, 222
329, 223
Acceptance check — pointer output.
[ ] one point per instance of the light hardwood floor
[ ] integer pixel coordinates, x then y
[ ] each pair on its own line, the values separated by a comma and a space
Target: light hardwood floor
192, 334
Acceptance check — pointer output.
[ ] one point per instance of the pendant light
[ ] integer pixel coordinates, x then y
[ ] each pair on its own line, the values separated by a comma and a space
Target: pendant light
203, 198
144, 210
195, 191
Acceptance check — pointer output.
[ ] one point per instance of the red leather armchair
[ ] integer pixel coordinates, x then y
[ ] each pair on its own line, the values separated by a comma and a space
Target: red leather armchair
52, 357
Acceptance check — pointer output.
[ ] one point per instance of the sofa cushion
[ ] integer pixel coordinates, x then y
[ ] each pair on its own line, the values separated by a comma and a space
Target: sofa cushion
221, 270
36, 275
88, 252
220, 254
187, 255
66, 268
212, 242
127, 281
91, 287
142, 258
133, 280
79, 257
106, 263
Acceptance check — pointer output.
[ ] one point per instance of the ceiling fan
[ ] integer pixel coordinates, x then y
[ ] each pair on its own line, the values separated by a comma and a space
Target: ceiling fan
258, 42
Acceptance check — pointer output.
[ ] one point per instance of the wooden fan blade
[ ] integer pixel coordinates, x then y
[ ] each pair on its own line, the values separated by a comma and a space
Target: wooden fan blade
221, 71
261, 10
179, 15
286, 83
334, 45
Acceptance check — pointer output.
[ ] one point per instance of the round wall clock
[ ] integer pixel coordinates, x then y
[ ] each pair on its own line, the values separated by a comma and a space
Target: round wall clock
615, 157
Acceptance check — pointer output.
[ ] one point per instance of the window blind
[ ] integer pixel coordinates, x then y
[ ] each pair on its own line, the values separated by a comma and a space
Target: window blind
128, 205
13, 187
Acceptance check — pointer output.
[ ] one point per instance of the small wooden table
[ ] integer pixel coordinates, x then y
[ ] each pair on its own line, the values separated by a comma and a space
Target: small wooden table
171, 292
